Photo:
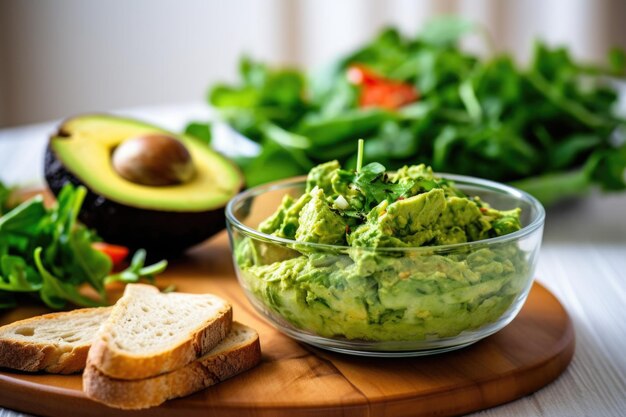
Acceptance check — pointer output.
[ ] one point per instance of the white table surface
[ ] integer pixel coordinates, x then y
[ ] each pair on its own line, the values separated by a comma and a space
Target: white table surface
583, 262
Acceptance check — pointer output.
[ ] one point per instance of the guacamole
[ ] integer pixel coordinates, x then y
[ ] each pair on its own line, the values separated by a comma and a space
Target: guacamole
359, 280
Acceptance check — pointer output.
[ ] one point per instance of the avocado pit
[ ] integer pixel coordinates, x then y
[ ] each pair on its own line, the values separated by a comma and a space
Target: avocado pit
153, 159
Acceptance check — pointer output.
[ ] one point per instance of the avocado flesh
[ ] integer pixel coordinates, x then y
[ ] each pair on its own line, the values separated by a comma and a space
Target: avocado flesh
163, 220
85, 147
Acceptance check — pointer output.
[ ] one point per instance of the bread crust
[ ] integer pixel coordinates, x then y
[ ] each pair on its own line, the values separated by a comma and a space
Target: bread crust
120, 364
199, 374
35, 356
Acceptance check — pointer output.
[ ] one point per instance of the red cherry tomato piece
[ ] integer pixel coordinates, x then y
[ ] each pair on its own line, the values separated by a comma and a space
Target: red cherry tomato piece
116, 253
390, 96
377, 91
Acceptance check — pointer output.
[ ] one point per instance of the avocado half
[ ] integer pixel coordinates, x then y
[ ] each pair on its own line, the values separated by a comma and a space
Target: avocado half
164, 220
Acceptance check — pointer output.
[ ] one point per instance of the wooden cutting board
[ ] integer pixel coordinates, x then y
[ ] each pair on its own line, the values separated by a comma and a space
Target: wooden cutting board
298, 380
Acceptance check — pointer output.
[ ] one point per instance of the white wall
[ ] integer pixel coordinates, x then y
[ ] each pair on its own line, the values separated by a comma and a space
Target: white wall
68, 56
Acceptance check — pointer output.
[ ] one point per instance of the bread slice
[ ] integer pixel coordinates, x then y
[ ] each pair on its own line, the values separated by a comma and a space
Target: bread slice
149, 333
238, 352
56, 343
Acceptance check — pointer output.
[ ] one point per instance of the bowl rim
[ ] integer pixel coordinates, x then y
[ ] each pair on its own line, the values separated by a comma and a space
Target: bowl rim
536, 223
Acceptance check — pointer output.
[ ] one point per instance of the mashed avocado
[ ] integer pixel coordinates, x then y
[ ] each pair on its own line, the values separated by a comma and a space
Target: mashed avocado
365, 290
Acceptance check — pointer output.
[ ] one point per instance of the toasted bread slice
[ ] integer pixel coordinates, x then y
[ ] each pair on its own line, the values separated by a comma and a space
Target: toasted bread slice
238, 352
149, 333
56, 342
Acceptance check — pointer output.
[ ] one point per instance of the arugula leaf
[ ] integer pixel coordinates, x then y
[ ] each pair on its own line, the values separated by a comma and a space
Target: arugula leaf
56, 293
608, 168
285, 138
200, 130
567, 152
137, 271
617, 62
325, 131
24, 218
549, 127
273, 163
17, 275
92, 264
48, 253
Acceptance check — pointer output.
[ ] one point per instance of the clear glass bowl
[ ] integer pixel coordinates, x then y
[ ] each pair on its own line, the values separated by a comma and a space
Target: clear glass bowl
385, 301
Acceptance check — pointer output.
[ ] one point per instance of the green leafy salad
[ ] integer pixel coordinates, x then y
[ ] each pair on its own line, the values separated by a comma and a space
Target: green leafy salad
370, 285
45, 253
549, 127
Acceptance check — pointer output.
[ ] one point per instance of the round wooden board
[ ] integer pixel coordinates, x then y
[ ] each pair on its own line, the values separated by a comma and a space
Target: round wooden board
298, 380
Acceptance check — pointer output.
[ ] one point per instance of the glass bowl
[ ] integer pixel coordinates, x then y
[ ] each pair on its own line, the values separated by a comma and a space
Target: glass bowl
385, 301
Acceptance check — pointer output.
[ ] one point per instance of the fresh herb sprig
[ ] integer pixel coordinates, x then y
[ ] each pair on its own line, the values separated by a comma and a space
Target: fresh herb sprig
375, 185
47, 253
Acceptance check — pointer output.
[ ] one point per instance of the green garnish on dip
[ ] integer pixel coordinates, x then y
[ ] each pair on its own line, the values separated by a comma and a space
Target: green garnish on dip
373, 208
362, 289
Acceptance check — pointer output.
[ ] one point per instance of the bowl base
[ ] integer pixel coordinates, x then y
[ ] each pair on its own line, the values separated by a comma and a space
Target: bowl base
351, 348
390, 354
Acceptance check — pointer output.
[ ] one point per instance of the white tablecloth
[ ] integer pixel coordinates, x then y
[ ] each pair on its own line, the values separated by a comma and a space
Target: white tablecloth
583, 262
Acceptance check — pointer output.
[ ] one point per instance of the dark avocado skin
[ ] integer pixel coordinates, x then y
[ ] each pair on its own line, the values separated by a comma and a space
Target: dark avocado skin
162, 233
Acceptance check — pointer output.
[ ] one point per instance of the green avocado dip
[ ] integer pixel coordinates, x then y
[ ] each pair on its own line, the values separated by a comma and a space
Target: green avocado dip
368, 285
